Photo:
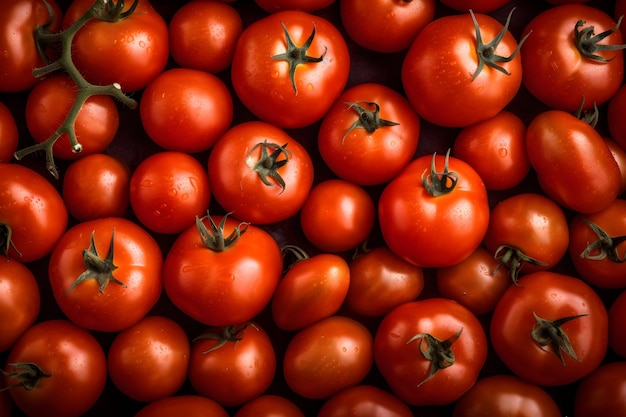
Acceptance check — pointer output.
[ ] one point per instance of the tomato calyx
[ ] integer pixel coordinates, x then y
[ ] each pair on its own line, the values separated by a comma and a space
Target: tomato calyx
438, 352
227, 334
296, 55
5, 240
587, 41
368, 119
546, 332
440, 183
28, 374
268, 164
486, 52
297, 252
604, 247
113, 11
514, 259
215, 239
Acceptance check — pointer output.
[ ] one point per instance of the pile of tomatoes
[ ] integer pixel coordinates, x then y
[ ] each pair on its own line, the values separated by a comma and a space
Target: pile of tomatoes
398, 208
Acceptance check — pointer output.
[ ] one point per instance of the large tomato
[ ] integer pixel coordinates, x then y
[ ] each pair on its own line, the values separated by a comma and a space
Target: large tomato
364, 401
184, 405
269, 405
9, 137
601, 393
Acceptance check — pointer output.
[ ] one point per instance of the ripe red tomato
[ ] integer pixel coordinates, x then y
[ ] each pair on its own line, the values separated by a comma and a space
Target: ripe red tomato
9, 137
619, 154
551, 329
617, 325
435, 212
289, 67
601, 393
185, 405
58, 369
273, 6
430, 351
260, 173
106, 273
364, 401
149, 360
269, 406
369, 134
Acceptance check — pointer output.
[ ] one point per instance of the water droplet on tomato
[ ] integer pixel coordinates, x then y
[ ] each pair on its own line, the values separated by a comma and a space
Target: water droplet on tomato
503, 152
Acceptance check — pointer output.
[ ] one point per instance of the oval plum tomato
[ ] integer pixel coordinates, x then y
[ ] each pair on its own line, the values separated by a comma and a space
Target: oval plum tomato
9, 137
56, 369
312, 288
19, 301
551, 329
431, 351
203, 35
479, 6
289, 67
380, 280
106, 273
149, 360
527, 232
20, 53
452, 78
48, 105
369, 134
186, 405
434, 218
338, 215
130, 49
96, 186
269, 406
273, 6
574, 166
186, 110
617, 325
240, 356
328, 356
601, 393
260, 173
496, 149
506, 395
385, 25
364, 401
168, 190
619, 154
572, 55
615, 116
244, 264
32, 213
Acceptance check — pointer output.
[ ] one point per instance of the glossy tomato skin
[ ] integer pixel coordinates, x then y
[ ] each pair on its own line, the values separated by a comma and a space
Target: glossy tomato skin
74, 361
601, 393
269, 405
617, 325
404, 367
364, 401
550, 296
187, 405
262, 80
119, 304
8, 134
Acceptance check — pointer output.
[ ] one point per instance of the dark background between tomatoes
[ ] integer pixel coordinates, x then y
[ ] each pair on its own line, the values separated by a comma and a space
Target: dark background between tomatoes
133, 145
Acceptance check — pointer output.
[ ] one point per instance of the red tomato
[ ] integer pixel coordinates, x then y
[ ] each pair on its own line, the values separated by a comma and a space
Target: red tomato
619, 154
106, 273
602, 392
617, 325
369, 134
430, 351
32, 214
260, 173
243, 261
149, 360
57, 369
364, 401
186, 110
337, 215
551, 329
185, 405
328, 356
289, 67
9, 138
615, 116
272, 6
479, 6
434, 218
453, 73
269, 406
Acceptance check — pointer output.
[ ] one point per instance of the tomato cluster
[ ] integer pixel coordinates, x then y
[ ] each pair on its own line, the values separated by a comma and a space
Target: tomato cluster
315, 208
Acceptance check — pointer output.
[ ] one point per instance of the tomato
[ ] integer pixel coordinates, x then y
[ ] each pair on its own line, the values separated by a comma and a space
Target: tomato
328, 356
186, 110
21, 55
551, 329
244, 264
351, 219
601, 393
430, 351
96, 186
32, 213
186, 405
289, 67
55, 369
130, 51
269, 406
149, 360
6, 404
8, 134
19, 301
619, 154
240, 356
380, 280
385, 25
105, 274
571, 55
434, 218
364, 401
479, 6
505, 395
369, 134
203, 35
614, 115
272, 6
452, 78
260, 173
496, 149
617, 325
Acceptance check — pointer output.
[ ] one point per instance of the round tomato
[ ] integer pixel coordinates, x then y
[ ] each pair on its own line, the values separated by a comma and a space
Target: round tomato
186, 405
9, 138
289, 67
551, 329
55, 369
602, 392
260, 173
364, 401
269, 406
430, 351
106, 273
272, 6
617, 325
